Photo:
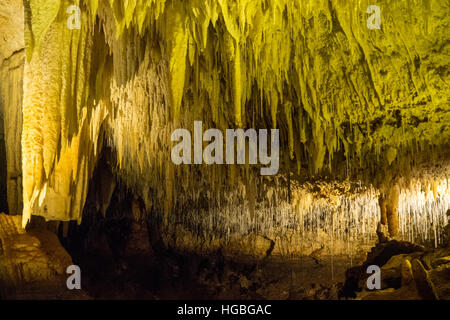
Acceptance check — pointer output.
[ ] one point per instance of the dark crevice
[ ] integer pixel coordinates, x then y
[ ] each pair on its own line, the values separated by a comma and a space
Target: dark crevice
3, 191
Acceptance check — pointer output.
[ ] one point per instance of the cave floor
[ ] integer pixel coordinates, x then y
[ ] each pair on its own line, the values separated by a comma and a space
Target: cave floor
33, 265
183, 276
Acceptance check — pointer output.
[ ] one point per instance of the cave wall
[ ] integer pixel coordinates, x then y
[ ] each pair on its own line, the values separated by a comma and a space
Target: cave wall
369, 105
3, 200
12, 61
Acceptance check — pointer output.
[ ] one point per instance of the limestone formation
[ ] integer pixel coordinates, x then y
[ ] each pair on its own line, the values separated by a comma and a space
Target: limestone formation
12, 60
91, 92
314, 70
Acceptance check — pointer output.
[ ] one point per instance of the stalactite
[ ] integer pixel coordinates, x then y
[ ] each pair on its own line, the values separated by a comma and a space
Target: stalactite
343, 96
422, 210
61, 124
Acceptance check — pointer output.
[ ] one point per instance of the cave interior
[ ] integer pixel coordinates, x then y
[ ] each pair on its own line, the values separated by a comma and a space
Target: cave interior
92, 93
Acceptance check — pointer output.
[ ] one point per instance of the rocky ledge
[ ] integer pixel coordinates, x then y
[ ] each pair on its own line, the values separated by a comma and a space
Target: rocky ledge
408, 271
32, 263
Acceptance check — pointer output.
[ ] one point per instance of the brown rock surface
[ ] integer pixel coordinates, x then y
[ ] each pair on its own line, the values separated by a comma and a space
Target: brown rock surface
32, 263
424, 285
410, 272
440, 277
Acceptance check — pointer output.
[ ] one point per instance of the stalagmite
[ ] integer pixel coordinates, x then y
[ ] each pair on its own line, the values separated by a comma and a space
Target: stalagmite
382, 204
392, 210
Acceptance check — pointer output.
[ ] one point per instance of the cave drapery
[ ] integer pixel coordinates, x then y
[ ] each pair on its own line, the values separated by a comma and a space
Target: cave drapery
349, 102
11, 76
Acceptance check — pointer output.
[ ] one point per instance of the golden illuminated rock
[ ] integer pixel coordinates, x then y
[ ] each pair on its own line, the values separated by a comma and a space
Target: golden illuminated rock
360, 93
349, 101
11, 87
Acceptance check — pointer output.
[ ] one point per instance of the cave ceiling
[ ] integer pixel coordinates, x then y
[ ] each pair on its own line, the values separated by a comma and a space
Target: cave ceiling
350, 102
